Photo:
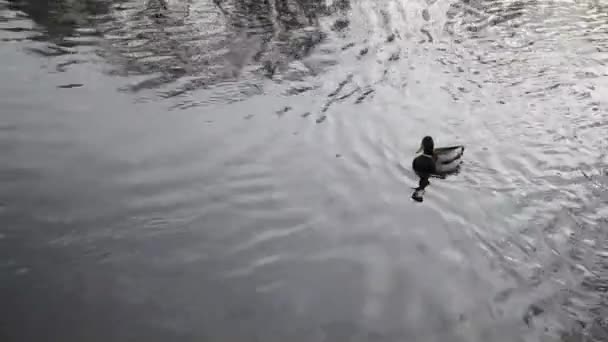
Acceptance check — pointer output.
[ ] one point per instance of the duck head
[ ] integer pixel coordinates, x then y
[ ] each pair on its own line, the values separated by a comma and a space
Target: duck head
427, 146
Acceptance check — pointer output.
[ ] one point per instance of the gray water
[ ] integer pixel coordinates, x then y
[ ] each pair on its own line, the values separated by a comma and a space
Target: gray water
240, 170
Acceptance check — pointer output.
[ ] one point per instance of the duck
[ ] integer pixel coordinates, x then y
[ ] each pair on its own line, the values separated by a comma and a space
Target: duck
434, 162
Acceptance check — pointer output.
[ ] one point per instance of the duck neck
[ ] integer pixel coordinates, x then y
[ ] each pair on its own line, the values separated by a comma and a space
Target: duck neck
428, 152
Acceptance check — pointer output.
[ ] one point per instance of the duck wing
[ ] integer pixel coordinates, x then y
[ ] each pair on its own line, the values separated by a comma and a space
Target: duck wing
448, 159
448, 168
448, 155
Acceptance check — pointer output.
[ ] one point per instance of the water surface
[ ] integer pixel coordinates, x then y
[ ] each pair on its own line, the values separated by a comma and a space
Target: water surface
239, 170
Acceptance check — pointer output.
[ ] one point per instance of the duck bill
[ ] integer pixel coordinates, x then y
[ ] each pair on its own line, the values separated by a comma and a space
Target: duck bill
420, 149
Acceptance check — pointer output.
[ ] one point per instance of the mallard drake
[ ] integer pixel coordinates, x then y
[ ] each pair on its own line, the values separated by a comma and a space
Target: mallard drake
434, 162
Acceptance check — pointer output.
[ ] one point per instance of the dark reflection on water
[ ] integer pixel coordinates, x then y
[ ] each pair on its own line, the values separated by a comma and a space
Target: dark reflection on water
180, 46
275, 205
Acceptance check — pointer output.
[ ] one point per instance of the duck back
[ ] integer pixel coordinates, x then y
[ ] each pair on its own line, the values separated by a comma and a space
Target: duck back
448, 154
448, 159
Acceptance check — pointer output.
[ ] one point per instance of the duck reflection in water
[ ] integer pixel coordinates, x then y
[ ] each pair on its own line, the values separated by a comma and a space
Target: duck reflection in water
434, 162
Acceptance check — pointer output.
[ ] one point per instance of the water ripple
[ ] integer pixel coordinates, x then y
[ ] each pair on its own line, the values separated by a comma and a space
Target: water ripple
278, 196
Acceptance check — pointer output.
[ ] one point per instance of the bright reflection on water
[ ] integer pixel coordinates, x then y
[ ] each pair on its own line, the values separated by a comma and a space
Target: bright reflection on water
239, 170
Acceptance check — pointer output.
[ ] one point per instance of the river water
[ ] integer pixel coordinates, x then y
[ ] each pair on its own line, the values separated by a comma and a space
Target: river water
240, 170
